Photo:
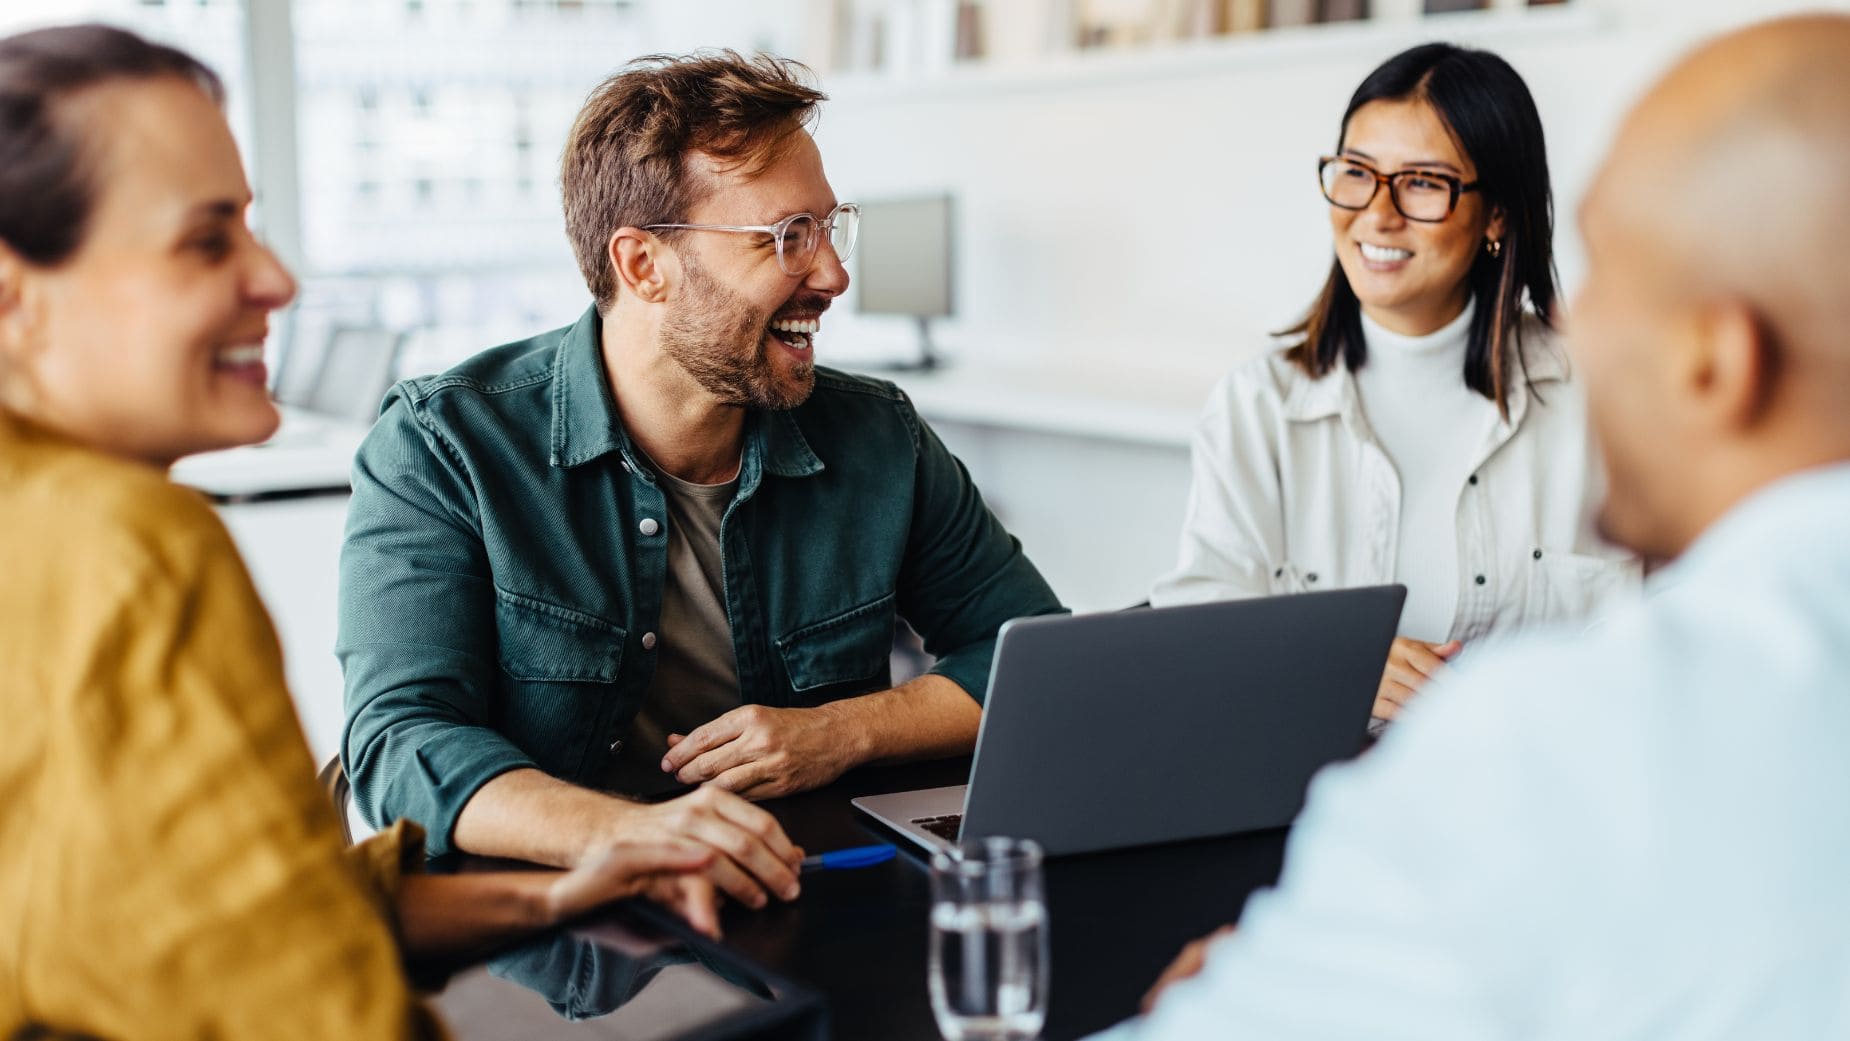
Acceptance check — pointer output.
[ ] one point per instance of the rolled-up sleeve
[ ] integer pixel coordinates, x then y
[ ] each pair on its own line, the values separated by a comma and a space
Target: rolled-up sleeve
417, 636
964, 574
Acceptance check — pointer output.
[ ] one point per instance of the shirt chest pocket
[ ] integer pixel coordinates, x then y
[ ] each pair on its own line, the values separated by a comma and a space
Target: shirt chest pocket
558, 667
848, 654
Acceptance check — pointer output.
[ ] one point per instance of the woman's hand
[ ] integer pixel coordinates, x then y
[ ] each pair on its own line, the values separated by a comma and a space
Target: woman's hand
450, 916
1186, 966
1411, 663
670, 873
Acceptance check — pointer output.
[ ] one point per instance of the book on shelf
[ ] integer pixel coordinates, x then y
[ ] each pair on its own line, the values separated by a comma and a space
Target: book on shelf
1291, 12
1242, 16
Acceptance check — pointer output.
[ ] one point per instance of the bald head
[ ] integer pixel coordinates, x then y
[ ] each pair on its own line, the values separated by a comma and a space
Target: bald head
1714, 328
1736, 164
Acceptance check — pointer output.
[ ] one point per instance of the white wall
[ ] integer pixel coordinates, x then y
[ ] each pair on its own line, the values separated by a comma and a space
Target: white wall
1128, 210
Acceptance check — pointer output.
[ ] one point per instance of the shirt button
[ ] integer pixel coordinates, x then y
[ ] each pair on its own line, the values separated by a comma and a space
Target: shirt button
1480, 580
1538, 554
648, 641
616, 748
1472, 479
1312, 577
648, 526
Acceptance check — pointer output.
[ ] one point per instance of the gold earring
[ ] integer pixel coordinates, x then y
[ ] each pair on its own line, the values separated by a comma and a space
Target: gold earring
1493, 247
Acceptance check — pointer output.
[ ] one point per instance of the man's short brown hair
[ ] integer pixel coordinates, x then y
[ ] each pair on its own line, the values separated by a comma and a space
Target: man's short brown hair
626, 159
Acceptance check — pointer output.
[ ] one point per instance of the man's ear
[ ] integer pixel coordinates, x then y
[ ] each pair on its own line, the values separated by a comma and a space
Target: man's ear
643, 263
1733, 365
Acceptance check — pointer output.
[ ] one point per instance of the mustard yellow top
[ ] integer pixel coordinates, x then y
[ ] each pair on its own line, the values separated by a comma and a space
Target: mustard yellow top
168, 866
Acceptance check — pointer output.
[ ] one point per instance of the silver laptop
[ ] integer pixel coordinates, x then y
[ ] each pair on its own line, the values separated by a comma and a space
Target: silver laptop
1111, 730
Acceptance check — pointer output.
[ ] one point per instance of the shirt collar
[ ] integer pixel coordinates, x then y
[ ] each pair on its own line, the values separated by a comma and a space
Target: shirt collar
586, 426
584, 415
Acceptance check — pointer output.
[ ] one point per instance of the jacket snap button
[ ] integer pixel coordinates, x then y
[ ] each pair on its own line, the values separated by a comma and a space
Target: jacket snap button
648, 526
648, 641
616, 748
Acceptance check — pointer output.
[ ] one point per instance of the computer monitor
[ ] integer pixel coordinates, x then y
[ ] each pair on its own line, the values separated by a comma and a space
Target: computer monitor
338, 370
905, 264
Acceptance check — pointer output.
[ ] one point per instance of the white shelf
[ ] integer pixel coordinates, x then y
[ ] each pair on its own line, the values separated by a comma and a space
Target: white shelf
1279, 46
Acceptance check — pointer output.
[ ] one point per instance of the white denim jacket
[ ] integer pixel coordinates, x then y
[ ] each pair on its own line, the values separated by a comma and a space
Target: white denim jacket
1293, 493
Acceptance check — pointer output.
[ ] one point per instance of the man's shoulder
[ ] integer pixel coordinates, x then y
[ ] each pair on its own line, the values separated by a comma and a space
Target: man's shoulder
854, 399
831, 383
849, 416
499, 393
505, 369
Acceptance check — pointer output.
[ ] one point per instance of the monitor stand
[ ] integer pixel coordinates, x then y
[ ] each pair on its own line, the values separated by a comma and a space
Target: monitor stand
928, 359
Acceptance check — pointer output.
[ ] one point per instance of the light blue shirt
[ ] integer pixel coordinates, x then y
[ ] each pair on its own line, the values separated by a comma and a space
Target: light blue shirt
1638, 832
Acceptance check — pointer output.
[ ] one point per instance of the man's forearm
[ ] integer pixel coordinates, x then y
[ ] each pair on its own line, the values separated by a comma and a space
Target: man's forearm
528, 815
927, 718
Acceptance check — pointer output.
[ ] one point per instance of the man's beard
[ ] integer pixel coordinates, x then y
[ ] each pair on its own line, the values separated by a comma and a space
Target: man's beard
718, 338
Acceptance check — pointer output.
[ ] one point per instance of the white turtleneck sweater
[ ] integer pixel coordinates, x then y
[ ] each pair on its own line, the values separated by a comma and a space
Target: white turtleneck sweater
1433, 427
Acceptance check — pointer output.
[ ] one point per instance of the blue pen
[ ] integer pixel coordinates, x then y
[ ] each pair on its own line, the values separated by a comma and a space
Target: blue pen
859, 856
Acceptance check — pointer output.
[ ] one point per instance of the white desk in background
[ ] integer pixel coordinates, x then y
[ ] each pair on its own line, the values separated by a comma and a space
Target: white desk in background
285, 503
1086, 462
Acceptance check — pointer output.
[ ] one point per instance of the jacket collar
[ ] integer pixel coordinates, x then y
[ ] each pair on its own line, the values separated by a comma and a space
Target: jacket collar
586, 425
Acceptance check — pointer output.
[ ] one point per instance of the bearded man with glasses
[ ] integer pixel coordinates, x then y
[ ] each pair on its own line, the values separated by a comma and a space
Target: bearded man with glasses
660, 547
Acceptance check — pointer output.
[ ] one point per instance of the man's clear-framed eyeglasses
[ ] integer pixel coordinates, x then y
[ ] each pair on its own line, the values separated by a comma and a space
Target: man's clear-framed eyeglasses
1419, 195
797, 237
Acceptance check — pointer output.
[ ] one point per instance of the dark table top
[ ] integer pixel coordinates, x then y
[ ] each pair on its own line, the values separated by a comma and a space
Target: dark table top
859, 937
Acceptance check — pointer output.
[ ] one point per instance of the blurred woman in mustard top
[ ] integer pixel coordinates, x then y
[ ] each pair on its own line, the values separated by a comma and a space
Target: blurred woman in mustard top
171, 869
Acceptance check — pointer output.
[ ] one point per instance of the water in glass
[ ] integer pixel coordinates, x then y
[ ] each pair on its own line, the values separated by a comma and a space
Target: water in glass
988, 974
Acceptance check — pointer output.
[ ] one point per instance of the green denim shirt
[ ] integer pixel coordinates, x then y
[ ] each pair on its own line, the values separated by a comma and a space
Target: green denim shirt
507, 547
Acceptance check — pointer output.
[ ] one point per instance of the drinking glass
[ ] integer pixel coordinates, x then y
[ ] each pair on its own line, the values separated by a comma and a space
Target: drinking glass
988, 972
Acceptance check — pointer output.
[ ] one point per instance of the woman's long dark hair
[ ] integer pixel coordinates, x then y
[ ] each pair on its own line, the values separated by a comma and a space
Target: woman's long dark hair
1489, 111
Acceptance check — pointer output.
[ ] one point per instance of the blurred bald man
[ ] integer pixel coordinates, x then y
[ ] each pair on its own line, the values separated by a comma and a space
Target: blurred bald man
1643, 832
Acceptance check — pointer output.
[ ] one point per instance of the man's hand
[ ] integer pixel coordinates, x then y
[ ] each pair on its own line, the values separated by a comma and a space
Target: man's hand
752, 856
1411, 663
668, 873
762, 753
1186, 966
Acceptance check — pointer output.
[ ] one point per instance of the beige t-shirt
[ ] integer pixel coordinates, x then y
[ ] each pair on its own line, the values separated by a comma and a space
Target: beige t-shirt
696, 677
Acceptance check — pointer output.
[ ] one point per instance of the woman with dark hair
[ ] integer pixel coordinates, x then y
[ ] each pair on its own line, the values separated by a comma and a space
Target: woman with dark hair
172, 870
1419, 426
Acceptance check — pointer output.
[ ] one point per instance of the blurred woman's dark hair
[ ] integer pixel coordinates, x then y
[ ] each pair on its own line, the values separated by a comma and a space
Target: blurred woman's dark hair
47, 188
1491, 115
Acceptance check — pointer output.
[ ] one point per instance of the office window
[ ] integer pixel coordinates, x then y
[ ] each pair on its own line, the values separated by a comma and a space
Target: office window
211, 30
430, 133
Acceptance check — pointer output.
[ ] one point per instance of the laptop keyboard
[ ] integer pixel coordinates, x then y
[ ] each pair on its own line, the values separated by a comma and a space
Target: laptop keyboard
945, 827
